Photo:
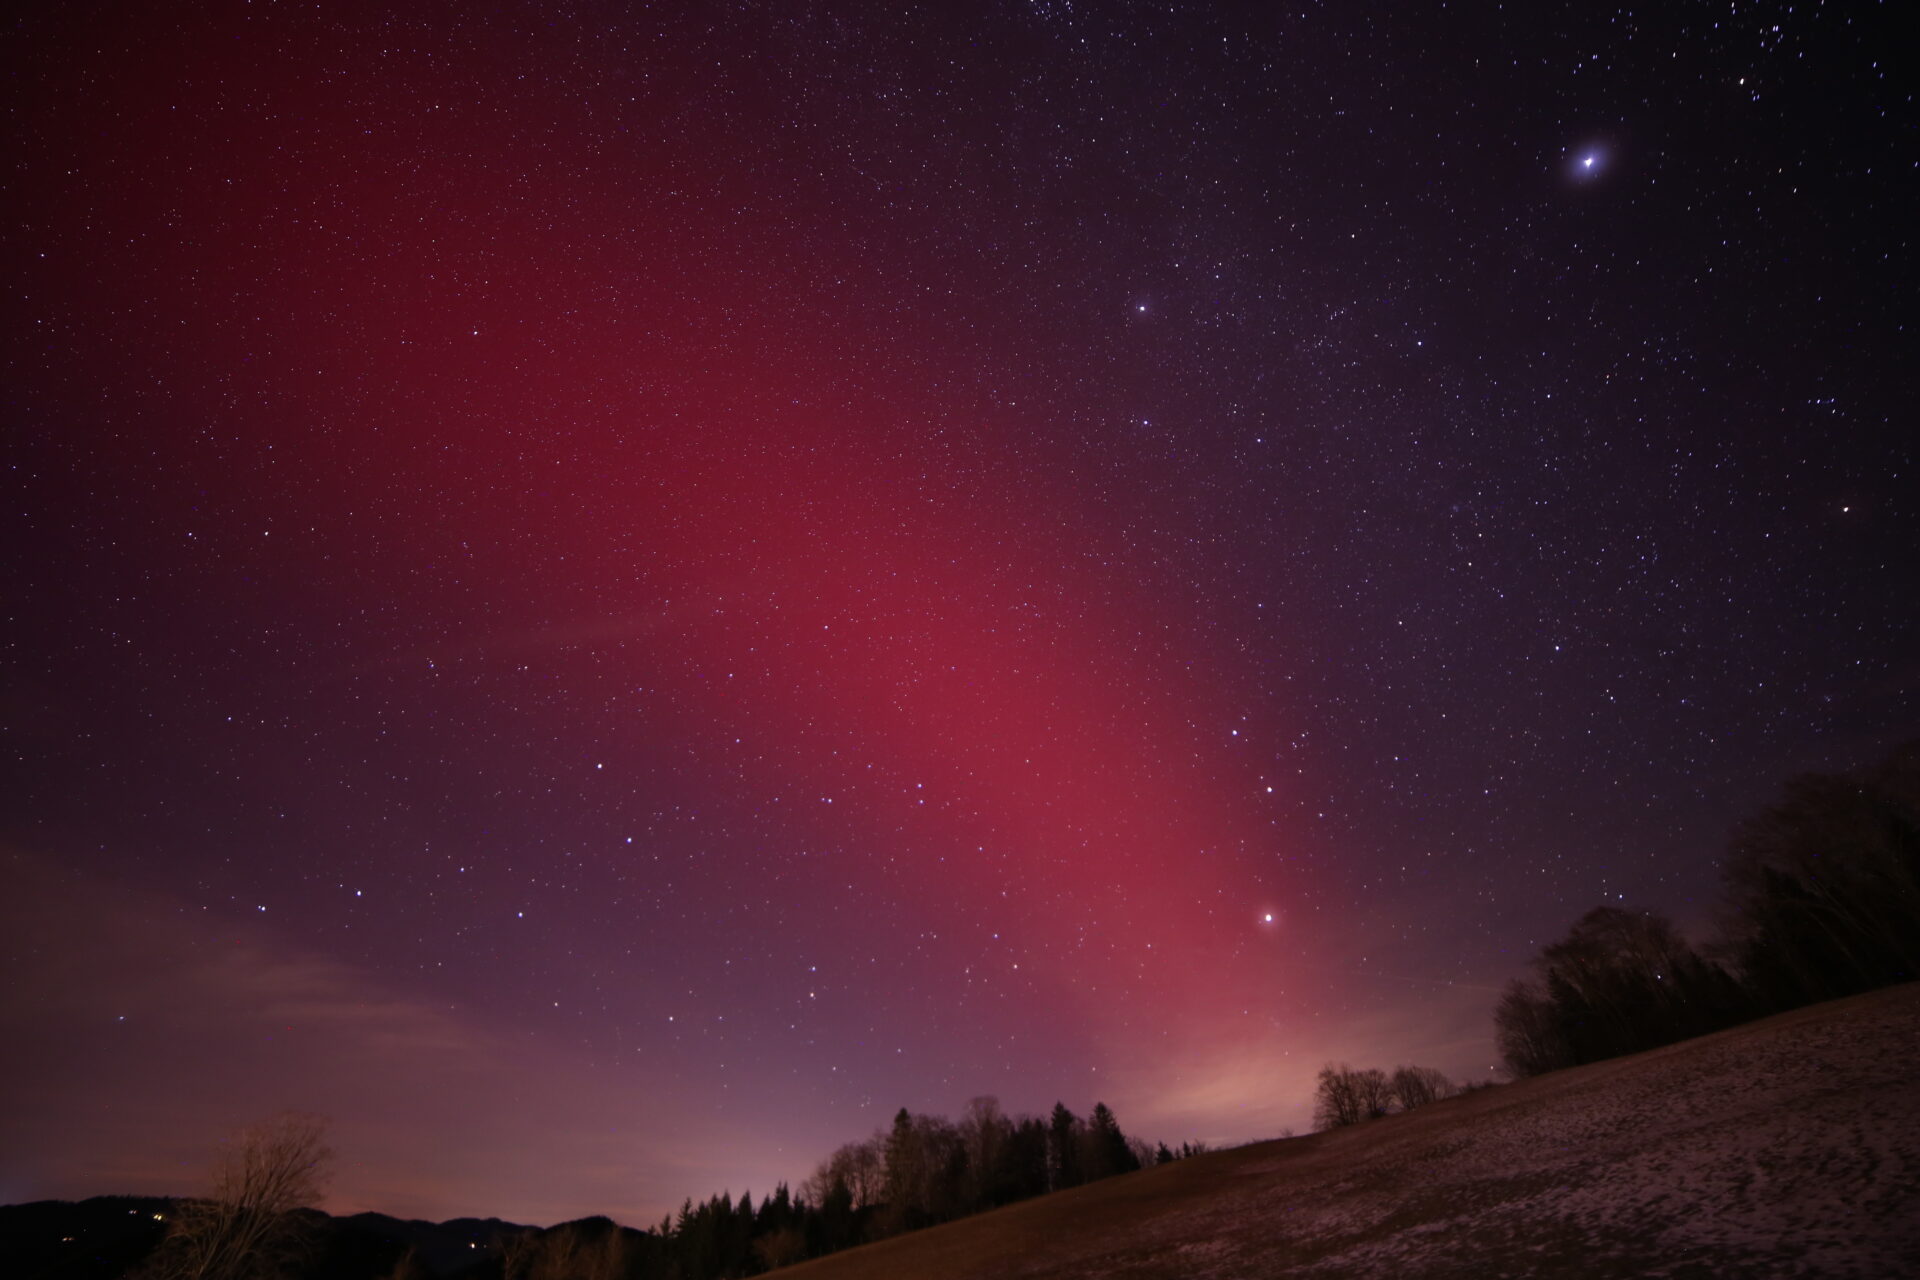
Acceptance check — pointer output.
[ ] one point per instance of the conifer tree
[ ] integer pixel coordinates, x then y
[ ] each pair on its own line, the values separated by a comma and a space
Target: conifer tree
1107, 1150
1063, 1148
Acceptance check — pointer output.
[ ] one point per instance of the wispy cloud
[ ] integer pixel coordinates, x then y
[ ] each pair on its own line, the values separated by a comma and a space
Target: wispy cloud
228, 1022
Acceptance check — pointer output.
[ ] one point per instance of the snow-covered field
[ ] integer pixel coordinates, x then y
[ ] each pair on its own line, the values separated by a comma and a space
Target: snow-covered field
1787, 1148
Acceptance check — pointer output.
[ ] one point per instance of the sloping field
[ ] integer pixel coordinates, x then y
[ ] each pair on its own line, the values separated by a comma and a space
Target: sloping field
1787, 1147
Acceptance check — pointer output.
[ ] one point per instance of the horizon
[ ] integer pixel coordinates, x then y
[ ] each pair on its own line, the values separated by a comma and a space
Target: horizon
607, 598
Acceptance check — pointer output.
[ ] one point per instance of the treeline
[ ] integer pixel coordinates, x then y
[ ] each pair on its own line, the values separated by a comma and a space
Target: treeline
928, 1169
1344, 1096
921, 1171
1821, 899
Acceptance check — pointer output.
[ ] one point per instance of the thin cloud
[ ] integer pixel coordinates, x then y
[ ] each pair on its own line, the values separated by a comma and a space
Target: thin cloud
231, 1022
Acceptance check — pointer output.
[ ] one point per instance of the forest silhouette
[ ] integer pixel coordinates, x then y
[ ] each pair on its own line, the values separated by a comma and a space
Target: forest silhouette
1821, 900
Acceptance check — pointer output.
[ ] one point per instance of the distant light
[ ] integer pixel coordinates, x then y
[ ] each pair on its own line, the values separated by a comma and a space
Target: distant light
1267, 918
1587, 163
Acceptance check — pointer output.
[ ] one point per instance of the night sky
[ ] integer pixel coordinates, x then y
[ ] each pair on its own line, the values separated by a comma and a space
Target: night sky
608, 594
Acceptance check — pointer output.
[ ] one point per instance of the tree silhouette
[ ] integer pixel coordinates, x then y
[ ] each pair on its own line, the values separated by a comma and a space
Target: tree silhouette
1619, 982
1107, 1152
1028, 1169
1063, 1148
1417, 1086
1337, 1100
248, 1227
1823, 887
1527, 1032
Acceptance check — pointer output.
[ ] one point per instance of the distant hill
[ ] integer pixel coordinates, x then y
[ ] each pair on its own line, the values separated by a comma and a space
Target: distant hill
1785, 1147
99, 1239
86, 1240
442, 1247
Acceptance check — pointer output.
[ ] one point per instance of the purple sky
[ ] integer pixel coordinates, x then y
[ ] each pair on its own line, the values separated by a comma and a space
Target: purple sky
608, 596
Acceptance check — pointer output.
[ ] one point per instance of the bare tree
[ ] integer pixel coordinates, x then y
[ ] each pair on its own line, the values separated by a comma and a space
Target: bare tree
859, 1166
926, 1171
408, 1267
780, 1248
593, 1249
1824, 886
248, 1228
1375, 1092
1528, 1033
1417, 1086
1345, 1096
517, 1253
1336, 1098
985, 1132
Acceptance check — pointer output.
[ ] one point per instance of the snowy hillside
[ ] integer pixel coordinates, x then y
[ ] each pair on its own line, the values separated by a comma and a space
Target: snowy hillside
1788, 1147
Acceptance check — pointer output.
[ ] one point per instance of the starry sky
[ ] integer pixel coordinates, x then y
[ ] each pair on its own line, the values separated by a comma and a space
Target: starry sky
606, 594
